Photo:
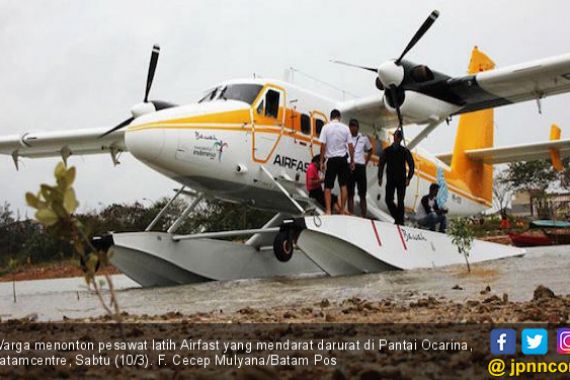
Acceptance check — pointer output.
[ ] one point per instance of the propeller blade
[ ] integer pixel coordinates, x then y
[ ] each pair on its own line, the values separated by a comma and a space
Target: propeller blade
394, 96
353, 65
420, 33
151, 69
119, 126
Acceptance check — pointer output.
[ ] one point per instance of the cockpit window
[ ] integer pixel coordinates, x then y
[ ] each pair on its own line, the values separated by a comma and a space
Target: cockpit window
242, 92
211, 95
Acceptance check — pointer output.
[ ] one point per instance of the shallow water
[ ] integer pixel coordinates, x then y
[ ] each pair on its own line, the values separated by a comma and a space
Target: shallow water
518, 277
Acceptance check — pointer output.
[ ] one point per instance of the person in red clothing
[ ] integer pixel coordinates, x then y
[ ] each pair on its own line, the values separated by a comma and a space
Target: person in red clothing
314, 184
505, 222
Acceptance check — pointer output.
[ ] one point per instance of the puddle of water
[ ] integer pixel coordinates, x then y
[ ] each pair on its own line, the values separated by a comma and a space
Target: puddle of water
518, 277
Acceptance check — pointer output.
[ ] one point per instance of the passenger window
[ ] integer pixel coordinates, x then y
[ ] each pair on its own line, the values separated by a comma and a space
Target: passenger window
305, 124
272, 106
319, 126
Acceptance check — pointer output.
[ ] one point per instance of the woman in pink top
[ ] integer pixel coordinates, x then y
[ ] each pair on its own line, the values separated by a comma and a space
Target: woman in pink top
314, 184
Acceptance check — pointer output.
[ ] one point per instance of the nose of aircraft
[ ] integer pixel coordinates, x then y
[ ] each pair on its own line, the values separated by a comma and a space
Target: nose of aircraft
145, 144
153, 138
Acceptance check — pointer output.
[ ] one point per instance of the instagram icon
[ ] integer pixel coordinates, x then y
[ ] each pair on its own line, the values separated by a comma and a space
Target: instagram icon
563, 341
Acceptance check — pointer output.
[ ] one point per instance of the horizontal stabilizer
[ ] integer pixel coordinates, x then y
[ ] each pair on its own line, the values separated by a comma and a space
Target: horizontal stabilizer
524, 152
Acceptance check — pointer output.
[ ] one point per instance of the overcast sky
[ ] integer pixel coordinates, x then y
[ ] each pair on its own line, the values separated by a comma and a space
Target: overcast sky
76, 64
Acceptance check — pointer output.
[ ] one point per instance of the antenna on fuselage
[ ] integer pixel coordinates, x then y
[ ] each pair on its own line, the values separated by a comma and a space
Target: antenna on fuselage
330, 85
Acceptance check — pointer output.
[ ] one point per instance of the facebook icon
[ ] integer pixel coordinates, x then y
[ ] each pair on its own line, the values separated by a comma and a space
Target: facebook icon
503, 342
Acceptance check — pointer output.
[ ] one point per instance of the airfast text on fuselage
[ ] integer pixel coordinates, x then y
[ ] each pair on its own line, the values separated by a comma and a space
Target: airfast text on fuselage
290, 163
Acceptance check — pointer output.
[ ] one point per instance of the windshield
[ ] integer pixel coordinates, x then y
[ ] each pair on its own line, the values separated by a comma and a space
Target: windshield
210, 95
242, 92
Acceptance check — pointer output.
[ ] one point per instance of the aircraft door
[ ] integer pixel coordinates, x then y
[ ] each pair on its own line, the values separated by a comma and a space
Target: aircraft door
268, 122
318, 120
415, 185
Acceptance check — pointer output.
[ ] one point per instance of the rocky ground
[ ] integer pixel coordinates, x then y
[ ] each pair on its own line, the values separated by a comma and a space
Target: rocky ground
429, 316
544, 306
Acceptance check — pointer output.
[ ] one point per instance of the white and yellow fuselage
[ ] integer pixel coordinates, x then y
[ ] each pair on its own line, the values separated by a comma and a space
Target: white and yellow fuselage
218, 145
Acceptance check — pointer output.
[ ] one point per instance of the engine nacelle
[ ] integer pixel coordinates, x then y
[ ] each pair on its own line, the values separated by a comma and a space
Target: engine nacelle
142, 109
417, 107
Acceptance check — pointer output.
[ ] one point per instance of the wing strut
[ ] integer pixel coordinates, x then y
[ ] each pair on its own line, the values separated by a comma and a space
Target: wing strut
424, 134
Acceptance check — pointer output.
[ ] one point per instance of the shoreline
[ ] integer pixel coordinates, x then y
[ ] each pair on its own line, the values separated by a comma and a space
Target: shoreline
53, 270
488, 308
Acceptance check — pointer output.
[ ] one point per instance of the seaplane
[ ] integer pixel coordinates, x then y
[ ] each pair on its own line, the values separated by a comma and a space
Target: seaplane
251, 140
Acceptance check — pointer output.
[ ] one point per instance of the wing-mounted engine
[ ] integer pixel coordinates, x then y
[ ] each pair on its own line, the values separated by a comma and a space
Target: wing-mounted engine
145, 108
395, 76
415, 93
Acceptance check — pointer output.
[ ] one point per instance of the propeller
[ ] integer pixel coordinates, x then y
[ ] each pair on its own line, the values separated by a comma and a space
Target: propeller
151, 69
391, 73
419, 34
149, 78
353, 65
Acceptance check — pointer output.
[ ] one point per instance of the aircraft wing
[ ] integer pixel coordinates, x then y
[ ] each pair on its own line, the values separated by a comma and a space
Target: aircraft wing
369, 110
63, 143
513, 84
524, 152
473, 92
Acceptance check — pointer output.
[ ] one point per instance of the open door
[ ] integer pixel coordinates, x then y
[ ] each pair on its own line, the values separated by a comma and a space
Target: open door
268, 122
318, 120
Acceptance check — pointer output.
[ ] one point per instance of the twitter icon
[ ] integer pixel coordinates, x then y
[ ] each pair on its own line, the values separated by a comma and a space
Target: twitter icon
534, 341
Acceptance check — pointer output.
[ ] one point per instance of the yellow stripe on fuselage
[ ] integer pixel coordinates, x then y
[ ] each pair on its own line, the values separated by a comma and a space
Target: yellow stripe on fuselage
238, 121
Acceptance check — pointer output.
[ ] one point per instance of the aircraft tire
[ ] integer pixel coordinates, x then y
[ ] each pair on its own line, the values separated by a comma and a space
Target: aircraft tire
283, 246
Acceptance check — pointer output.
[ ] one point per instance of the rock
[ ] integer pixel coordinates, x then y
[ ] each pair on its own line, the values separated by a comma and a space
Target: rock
531, 314
369, 306
542, 292
492, 299
457, 287
486, 290
317, 314
329, 317
505, 298
246, 311
325, 302
289, 315
485, 319
31, 317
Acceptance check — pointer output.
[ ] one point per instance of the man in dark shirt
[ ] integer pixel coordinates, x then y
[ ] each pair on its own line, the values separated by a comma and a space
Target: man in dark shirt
429, 213
395, 158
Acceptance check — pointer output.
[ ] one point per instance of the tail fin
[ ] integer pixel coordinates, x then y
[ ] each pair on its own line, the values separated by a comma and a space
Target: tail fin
555, 153
475, 130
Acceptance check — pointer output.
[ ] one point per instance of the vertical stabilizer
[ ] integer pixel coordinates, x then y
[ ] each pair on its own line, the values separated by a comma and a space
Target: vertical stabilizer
555, 153
475, 131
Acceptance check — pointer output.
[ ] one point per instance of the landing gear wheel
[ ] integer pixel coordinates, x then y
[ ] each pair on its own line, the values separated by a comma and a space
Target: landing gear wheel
283, 246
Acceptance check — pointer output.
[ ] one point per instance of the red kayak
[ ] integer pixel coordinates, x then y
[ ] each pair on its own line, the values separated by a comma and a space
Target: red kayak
529, 240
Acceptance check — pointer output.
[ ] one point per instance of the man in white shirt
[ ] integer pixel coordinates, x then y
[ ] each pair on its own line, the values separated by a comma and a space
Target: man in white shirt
336, 147
357, 177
